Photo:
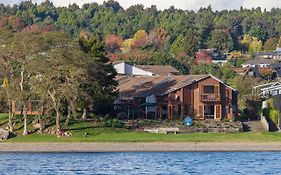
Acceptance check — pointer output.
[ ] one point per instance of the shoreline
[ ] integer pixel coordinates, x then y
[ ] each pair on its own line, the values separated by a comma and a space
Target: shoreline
71, 147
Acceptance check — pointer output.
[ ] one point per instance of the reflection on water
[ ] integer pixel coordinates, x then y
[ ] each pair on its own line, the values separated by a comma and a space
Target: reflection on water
141, 163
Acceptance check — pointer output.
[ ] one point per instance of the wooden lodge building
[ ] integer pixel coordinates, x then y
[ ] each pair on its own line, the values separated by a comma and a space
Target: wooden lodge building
174, 97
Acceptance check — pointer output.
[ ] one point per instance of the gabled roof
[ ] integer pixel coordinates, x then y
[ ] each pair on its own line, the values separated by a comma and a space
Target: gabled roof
141, 87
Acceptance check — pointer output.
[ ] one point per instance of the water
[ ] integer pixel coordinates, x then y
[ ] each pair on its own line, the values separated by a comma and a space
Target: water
141, 163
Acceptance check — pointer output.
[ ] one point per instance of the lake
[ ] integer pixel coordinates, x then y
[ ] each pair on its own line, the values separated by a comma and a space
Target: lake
141, 163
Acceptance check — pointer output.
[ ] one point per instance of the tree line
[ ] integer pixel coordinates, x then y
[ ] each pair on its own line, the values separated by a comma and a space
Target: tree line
152, 36
59, 73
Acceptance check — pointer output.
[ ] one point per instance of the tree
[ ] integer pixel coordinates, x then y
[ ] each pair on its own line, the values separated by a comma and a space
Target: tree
127, 45
59, 72
279, 42
178, 46
255, 45
243, 85
192, 42
101, 82
140, 39
258, 32
158, 37
270, 44
9, 68
113, 43
221, 40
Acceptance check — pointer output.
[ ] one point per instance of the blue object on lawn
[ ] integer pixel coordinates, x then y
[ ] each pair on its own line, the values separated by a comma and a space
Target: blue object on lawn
188, 121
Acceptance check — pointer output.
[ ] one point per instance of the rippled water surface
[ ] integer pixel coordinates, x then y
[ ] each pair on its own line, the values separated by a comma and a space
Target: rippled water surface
141, 163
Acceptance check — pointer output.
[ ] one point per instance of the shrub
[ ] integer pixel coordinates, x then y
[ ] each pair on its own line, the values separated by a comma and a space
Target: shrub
117, 123
114, 123
265, 112
147, 122
270, 103
274, 115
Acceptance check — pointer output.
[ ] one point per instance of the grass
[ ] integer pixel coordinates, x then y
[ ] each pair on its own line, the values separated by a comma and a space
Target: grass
78, 130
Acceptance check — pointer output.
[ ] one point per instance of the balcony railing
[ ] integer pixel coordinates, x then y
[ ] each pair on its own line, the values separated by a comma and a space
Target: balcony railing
210, 97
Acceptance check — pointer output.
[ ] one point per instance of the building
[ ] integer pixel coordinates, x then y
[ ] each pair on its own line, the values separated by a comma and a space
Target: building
272, 63
174, 97
269, 55
220, 62
209, 56
266, 68
32, 108
124, 68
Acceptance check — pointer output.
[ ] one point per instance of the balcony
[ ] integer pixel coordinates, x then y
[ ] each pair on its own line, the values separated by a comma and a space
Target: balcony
211, 97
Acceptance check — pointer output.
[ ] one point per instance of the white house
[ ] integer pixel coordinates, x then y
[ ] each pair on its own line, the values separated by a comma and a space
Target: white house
262, 63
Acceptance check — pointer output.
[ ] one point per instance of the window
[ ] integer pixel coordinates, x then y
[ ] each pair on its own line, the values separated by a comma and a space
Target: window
211, 89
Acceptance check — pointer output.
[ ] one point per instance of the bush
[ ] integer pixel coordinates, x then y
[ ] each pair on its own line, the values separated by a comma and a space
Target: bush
117, 123
146, 122
274, 115
265, 113
114, 123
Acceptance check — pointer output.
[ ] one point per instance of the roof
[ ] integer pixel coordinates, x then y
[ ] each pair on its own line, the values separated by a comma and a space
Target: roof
265, 70
241, 70
118, 62
261, 61
141, 87
159, 69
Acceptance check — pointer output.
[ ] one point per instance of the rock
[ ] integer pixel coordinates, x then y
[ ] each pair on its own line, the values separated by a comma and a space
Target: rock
35, 121
215, 130
36, 126
4, 134
68, 134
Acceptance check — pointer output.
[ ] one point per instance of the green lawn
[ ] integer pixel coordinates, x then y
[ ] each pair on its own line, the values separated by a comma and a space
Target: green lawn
117, 135
123, 135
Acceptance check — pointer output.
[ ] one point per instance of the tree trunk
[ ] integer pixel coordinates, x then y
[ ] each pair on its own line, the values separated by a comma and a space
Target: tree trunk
21, 113
40, 125
68, 115
84, 116
56, 107
57, 120
42, 112
25, 120
10, 122
73, 110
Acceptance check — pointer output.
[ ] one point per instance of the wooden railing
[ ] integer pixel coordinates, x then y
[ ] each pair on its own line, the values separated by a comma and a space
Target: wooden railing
210, 97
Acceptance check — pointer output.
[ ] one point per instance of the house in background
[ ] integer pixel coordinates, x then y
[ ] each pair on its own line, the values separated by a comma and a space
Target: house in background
272, 63
124, 68
209, 56
265, 68
174, 97
269, 55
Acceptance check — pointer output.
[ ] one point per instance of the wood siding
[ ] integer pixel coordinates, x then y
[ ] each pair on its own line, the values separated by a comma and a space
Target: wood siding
191, 96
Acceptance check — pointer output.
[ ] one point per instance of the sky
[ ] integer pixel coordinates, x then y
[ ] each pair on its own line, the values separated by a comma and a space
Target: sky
181, 4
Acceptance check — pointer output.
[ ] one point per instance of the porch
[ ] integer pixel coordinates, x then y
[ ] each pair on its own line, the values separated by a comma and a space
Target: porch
210, 111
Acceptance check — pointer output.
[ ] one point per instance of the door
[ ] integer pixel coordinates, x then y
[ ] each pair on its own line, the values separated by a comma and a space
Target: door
218, 111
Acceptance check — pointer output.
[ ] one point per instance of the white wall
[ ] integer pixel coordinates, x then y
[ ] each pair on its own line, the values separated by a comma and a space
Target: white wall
120, 68
138, 71
127, 69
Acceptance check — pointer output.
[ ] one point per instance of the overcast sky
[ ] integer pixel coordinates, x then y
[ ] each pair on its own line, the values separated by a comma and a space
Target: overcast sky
182, 4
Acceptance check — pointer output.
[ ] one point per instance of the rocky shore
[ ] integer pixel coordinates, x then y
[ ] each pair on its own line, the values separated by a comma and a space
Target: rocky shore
140, 147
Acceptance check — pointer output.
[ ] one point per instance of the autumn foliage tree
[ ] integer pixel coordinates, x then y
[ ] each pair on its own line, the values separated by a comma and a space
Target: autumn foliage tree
158, 37
140, 39
113, 43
